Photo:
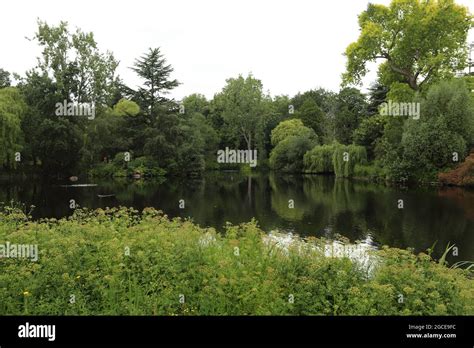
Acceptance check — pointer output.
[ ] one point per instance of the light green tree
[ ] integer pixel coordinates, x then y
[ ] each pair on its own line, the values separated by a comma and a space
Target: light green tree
4, 78
243, 108
419, 42
12, 110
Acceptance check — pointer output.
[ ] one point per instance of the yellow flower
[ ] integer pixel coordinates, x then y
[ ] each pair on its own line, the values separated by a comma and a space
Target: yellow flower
26, 293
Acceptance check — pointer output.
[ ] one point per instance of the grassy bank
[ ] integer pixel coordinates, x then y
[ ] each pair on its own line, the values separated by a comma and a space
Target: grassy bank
122, 262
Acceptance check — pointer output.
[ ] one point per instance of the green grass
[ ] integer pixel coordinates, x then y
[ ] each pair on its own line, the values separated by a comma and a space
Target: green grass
238, 273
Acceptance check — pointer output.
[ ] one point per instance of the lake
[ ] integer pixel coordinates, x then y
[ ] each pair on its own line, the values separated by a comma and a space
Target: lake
323, 206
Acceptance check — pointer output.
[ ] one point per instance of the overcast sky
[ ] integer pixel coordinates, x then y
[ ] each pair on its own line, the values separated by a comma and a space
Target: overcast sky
291, 45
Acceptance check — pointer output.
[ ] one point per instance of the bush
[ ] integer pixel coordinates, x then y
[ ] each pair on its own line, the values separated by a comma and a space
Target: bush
451, 102
291, 140
107, 170
293, 127
145, 166
122, 262
371, 172
462, 175
428, 147
288, 155
319, 159
345, 157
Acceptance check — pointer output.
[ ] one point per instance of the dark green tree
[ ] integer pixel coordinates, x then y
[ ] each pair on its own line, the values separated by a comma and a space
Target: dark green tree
4, 78
155, 73
350, 110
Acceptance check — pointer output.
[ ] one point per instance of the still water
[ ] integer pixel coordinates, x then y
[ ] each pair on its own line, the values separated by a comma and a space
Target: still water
323, 206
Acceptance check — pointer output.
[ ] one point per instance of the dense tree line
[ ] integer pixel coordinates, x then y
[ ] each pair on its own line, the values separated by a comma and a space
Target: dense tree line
154, 131
144, 131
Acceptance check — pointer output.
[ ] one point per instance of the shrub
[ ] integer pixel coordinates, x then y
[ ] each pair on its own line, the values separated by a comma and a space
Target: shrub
291, 140
122, 262
462, 175
373, 172
288, 155
428, 147
145, 166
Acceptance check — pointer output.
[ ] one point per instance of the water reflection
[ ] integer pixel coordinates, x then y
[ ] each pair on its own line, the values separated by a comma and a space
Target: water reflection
323, 206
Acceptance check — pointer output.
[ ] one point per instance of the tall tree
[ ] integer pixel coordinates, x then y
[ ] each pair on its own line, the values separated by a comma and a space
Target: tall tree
350, 110
4, 78
12, 110
73, 62
419, 41
154, 71
70, 68
243, 107
377, 95
312, 116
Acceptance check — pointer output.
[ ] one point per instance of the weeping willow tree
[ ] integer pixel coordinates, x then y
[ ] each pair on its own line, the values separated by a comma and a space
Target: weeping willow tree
12, 109
345, 157
319, 160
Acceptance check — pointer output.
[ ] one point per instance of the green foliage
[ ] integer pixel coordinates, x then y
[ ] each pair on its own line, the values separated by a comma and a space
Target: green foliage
470, 84
12, 111
345, 157
350, 110
291, 140
4, 78
293, 127
377, 95
145, 166
202, 140
152, 126
243, 108
450, 100
319, 159
426, 146
429, 146
419, 41
107, 134
371, 172
73, 62
86, 255
312, 116
155, 73
70, 68
323, 98
369, 132
400, 92
288, 155
126, 107
59, 146
196, 103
